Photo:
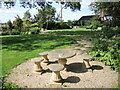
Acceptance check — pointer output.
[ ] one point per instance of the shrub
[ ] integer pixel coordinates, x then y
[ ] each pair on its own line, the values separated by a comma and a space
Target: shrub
51, 25
15, 33
107, 51
5, 33
107, 48
4, 28
62, 25
10, 33
9, 86
95, 24
34, 25
89, 27
35, 30
83, 26
110, 31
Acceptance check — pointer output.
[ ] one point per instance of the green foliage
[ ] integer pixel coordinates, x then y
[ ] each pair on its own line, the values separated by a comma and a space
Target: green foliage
89, 27
34, 25
107, 52
62, 25
4, 28
10, 25
83, 26
17, 49
107, 48
10, 33
35, 30
9, 86
70, 23
95, 24
109, 32
109, 9
58, 25
45, 15
27, 15
18, 24
51, 25
26, 25
15, 32
5, 33
72, 5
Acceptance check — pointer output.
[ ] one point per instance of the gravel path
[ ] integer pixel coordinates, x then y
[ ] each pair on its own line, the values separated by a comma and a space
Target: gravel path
100, 77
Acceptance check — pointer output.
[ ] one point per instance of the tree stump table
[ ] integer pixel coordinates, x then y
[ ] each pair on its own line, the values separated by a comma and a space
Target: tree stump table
37, 64
45, 56
56, 68
61, 55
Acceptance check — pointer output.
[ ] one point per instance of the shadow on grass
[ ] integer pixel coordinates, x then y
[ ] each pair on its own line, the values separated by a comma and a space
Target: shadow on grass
73, 32
33, 42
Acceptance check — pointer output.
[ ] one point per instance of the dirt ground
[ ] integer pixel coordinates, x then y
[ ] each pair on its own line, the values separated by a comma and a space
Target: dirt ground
101, 76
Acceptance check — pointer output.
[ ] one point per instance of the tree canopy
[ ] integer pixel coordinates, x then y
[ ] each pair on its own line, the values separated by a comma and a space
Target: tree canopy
27, 15
110, 9
35, 4
45, 15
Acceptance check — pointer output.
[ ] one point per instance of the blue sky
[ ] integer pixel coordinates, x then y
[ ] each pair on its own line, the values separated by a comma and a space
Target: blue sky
9, 14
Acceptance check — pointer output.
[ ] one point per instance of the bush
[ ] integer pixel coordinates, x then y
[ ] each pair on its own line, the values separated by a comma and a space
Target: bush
107, 51
62, 25
5, 33
4, 28
89, 27
10, 33
34, 25
94, 27
15, 33
35, 30
9, 86
51, 25
95, 24
107, 48
110, 31
83, 26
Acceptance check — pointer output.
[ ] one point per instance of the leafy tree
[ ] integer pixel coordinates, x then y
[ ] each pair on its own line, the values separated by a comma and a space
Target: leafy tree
26, 25
10, 25
45, 15
8, 4
18, 23
70, 23
109, 9
27, 15
27, 4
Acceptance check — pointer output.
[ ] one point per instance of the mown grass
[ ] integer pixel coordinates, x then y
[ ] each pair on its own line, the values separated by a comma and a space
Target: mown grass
17, 49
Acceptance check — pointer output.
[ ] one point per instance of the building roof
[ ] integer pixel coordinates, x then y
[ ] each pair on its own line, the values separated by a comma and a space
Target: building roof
87, 17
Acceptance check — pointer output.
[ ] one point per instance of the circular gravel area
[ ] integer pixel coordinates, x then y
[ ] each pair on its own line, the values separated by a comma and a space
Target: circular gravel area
101, 76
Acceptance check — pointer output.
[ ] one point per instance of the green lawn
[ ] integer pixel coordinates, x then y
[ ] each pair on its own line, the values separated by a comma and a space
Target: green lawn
19, 48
